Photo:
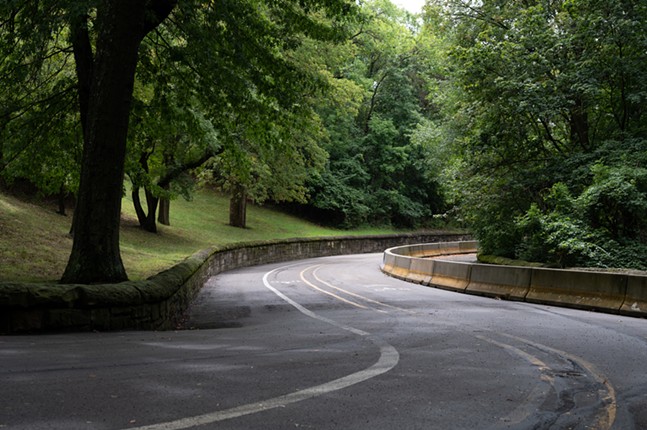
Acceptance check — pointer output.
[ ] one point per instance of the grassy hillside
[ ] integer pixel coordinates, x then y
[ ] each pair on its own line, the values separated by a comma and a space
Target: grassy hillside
34, 244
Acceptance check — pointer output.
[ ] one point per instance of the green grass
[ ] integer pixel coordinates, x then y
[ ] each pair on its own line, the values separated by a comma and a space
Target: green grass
34, 244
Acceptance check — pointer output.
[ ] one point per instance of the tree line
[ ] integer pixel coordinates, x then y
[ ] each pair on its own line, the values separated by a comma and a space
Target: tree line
547, 119
520, 120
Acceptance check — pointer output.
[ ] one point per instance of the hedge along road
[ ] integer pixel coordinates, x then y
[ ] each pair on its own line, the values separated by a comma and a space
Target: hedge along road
333, 343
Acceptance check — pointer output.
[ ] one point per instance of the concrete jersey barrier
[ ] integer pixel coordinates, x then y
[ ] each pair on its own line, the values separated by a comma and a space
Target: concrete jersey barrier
635, 302
577, 289
602, 291
510, 283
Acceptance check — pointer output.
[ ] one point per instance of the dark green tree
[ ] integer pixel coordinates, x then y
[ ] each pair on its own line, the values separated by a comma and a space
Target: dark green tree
40, 137
545, 91
228, 50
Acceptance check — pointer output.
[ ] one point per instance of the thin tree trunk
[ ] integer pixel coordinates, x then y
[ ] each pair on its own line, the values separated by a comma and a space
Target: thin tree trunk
62, 195
371, 106
238, 207
150, 224
164, 214
170, 175
137, 204
579, 123
146, 218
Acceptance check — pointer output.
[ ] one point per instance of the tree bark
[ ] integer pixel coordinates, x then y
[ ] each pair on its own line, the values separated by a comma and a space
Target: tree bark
146, 218
95, 253
164, 214
61, 197
579, 124
84, 63
238, 207
3, 125
172, 174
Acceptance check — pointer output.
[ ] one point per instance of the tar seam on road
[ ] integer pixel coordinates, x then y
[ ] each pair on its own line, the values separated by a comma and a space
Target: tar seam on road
608, 418
389, 358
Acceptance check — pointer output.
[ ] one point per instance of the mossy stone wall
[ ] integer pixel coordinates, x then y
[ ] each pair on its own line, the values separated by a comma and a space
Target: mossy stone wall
160, 302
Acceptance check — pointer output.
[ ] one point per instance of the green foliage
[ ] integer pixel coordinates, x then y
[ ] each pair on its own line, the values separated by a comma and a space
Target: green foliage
204, 70
40, 137
616, 201
246, 104
604, 226
556, 235
546, 111
377, 171
280, 92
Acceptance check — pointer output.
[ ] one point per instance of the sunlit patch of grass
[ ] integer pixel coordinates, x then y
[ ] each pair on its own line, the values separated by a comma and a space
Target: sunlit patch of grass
7, 206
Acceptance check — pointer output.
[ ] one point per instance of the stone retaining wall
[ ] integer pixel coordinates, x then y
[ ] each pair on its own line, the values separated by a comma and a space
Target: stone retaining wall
160, 302
602, 291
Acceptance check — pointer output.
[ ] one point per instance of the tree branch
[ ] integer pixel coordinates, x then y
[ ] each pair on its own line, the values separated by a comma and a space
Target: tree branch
376, 87
158, 10
178, 170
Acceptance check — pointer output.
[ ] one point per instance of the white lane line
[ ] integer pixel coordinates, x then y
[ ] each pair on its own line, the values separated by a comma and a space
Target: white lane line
359, 296
311, 285
389, 358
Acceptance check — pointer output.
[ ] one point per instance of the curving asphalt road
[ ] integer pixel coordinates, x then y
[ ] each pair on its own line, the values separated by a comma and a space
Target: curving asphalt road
332, 343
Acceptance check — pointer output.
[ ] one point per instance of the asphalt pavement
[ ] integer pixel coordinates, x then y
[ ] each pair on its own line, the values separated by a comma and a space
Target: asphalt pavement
332, 343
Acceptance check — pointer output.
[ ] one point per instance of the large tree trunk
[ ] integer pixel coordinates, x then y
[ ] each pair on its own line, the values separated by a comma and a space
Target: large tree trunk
238, 207
95, 253
121, 26
84, 62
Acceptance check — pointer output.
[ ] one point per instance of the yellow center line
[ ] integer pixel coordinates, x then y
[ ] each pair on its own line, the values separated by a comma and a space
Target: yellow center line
526, 408
523, 354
